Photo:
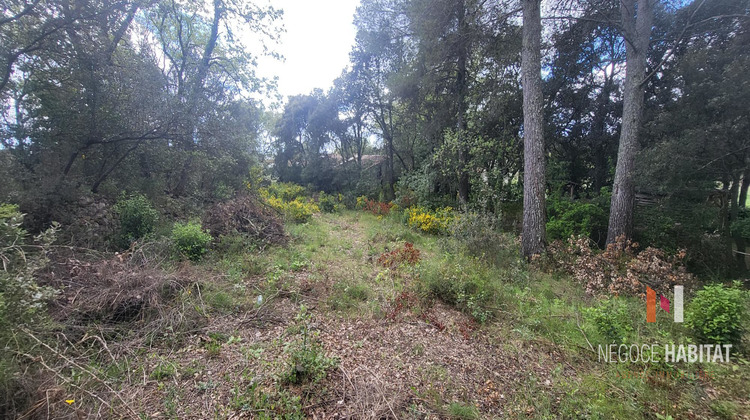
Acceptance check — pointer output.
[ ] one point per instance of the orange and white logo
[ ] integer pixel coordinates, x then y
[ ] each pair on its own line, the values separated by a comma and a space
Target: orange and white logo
664, 304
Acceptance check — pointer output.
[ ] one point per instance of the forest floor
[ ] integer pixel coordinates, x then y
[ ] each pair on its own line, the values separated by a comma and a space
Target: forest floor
324, 328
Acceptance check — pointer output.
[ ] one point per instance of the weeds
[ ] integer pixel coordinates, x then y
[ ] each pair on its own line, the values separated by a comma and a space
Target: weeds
307, 362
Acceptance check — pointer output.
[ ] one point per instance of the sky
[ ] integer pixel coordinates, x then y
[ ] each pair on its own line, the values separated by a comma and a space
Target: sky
319, 36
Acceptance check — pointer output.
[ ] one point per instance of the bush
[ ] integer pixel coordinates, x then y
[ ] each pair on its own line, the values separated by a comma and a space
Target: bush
741, 227
716, 314
465, 284
287, 199
400, 256
307, 360
21, 299
190, 240
330, 203
299, 210
612, 320
22, 303
377, 208
285, 191
437, 222
137, 218
479, 237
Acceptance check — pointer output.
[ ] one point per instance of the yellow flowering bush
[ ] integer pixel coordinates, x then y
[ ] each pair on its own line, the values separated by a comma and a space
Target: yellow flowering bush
287, 191
287, 199
437, 222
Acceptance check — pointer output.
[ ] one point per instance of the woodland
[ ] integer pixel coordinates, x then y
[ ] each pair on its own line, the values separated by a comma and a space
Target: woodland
454, 229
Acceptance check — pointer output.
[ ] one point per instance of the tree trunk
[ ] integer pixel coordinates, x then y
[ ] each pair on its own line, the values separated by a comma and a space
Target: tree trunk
734, 210
599, 132
390, 192
636, 29
533, 235
463, 149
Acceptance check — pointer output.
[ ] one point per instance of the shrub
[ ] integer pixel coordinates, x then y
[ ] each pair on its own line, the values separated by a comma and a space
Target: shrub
716, 314
741, 227
437, 222
361, 201
377, 208
288, 200
190, 240
479, 237
466, 284
21, 299
330, 203
406, 254
612, 320
22, 302
137, 218
300, 210
11, 234
286, 191
307, 360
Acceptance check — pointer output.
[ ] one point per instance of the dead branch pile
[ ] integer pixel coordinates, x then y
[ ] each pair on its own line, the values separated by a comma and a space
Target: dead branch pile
122, 288
245, 214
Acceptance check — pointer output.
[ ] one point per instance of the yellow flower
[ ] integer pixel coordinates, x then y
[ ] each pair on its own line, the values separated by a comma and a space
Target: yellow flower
70, 401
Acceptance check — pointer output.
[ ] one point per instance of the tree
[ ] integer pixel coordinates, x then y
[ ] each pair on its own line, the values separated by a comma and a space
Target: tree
533, 235
380, 52
637, 18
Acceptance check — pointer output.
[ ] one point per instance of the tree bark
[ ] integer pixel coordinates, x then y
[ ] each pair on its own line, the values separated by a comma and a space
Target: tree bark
533, 235
636, 29
461, 82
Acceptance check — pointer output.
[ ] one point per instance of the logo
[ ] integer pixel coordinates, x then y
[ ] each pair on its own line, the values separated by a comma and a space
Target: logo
664, 304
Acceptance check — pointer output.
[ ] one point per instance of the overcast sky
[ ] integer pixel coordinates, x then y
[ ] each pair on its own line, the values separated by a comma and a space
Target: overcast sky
319, 36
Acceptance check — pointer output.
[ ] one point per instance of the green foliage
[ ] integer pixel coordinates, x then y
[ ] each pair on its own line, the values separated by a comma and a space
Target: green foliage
330, 203
22, 299
463, 411
478, 235
137, 218
286, 191
611, 319
190, 240
741, 227
307, 360
574, 218
717, 314
349, 296
279, 404
12, 235
725, 409
164, 369
412, 189
462, 282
